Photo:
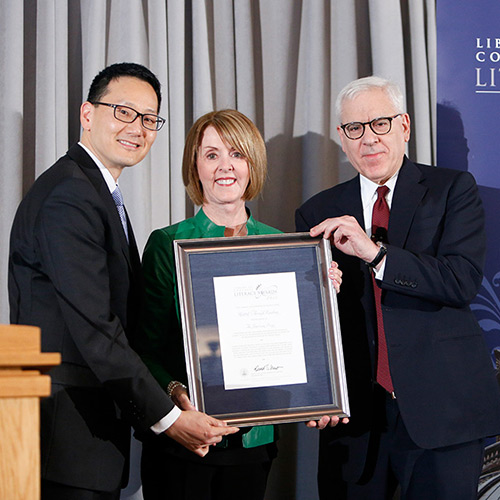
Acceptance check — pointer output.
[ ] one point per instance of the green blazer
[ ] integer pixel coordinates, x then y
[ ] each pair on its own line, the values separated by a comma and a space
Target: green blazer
161, 341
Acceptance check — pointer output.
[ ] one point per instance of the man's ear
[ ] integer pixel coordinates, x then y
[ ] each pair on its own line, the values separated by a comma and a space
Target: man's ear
341, 136
406, 126
86, 114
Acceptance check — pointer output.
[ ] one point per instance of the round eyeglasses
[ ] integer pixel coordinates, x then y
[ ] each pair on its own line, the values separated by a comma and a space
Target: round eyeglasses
379, 126
127, 114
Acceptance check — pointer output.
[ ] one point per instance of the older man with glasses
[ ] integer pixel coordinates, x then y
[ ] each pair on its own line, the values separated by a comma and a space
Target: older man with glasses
74, 271
410, 241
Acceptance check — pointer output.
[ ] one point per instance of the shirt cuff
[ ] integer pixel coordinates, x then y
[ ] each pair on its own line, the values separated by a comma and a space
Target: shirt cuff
379, 275
166, 421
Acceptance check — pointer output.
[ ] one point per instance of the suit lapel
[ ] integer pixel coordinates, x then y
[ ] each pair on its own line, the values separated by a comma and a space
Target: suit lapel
349, 200
349, 203
115, 218
132, 250
80, 156
408, 194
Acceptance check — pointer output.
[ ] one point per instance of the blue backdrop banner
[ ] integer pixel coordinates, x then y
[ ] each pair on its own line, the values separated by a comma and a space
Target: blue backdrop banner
468, 121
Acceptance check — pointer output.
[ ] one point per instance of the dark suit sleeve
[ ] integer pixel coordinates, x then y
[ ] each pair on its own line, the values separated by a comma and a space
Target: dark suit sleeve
73, 241
443, 256
301, 224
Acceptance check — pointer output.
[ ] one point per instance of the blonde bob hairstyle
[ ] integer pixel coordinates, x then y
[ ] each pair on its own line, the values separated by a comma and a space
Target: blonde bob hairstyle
238, 132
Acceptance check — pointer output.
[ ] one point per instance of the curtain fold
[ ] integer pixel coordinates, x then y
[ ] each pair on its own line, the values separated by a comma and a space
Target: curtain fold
51, 118
157, 180
179, 84
11, 133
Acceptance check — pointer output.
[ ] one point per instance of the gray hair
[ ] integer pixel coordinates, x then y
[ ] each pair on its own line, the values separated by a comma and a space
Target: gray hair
356, 87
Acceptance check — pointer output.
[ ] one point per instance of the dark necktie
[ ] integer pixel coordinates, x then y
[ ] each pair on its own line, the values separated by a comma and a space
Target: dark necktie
380, 222
118, 199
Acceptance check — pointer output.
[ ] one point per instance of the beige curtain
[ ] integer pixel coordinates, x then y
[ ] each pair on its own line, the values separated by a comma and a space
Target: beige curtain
281, 62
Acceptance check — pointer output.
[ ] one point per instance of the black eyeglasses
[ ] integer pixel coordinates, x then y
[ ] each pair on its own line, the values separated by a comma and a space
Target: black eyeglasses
379, 126
127, 114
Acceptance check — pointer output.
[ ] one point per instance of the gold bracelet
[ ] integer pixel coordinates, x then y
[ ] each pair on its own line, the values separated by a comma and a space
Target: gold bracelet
172, 385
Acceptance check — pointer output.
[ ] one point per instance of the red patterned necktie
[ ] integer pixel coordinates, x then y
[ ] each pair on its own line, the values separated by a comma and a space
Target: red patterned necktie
380, 219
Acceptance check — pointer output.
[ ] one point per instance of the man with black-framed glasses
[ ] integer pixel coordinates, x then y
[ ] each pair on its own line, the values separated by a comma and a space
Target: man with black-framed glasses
74, 271
126, 114
410, 241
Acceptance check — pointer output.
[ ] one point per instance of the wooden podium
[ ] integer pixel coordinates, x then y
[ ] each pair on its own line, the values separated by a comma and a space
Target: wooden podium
21, 387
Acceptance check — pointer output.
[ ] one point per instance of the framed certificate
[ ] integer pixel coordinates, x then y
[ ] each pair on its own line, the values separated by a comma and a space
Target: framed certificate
261, 328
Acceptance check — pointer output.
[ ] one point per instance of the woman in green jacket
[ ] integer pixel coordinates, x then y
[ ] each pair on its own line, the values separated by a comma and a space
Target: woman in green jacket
224, 165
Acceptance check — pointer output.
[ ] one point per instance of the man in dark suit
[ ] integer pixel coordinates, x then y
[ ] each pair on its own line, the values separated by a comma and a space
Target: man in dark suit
421, 385
74, 271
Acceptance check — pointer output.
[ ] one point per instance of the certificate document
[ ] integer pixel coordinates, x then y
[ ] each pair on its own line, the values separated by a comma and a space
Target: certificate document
259, 330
